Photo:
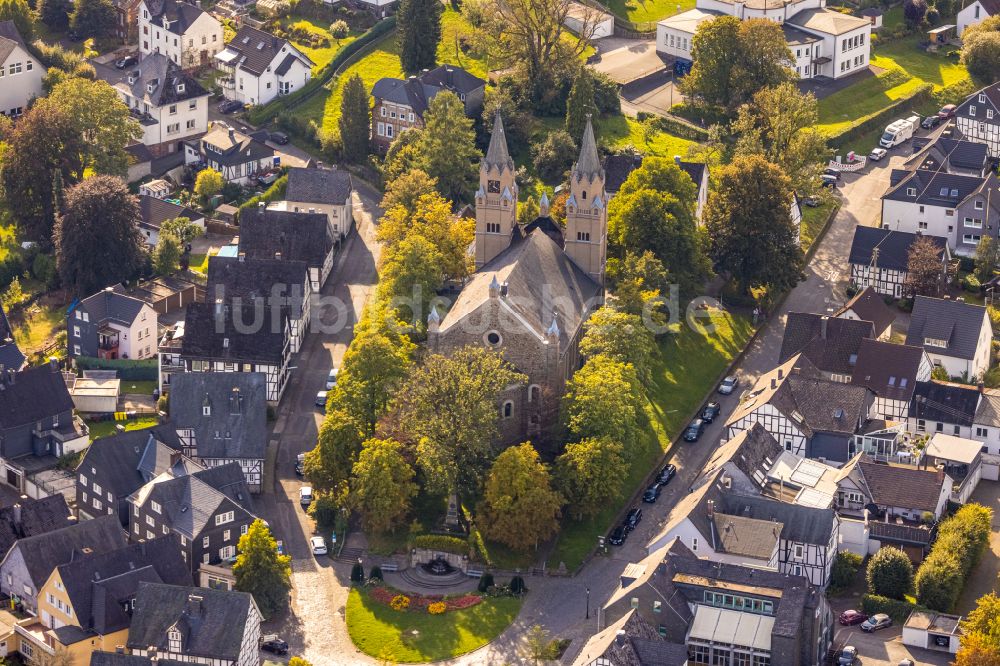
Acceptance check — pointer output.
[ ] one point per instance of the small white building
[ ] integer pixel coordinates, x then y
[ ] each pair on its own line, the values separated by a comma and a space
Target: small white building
588, 22
961, 459
933, 631
976, 12
158, 189
327, 191
238, 157
957, 336
95, 393
260, 67
180, 30
20, 72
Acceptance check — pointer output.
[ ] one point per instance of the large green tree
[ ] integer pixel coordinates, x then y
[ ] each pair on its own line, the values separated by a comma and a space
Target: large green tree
19, 11
355, 120
448, 410
519, 507
407, 189
638, 282
261, 571
748, 219
981, 50
447, 147
382, 485
890, 573
97, 236
603, 400
590, 474
620, 336
433, 220
328, 466
580, 104
984, 619
166, 254
419, 31
93, 19
410, 277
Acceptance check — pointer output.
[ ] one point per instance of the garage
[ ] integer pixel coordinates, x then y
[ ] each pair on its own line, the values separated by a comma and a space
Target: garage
991, 467
932, 631
598, 24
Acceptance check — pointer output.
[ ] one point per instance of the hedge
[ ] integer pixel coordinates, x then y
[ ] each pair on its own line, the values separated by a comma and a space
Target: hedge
446, 544
128, 369
267, 112
960, 543
676, 126
896, 609
275, 192
881, 118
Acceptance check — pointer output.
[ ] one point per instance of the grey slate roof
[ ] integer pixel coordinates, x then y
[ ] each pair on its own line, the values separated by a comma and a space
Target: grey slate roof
208, 336
322, 186
295, 236
937, 188
170, 84
802, 524
453, 78
589, 163
945, 402
250, 280
497, 155
10, 353
35, 394
888, 370
869, 305
417, 92
991, 91
258, 49
959, 324
830, 343
108, 305
229, 480
946, 154
157, 211
32, 517
631, 641
177, 14
988, 411
236, 426
99, 658
903, 487
743, 535
44, 552
231, 147
127, 460
9, 38
617, 169
212, 622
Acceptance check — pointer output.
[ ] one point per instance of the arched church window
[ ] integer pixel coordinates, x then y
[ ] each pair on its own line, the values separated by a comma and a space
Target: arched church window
508, 409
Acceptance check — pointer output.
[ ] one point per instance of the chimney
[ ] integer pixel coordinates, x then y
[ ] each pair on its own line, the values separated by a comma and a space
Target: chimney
175, 457
620, 637
711, 508
54, 363
822, 326
774, 383
232, 134
193, 606
980, 386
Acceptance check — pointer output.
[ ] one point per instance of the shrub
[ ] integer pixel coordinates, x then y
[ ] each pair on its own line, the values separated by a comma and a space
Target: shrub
446, 544
357, 573
437, 608
339, 29
933, 16
517, 586
939, 581
971, 283
163, 403
485, 582
961, 540
400, 602
554, 155
845, 567
897, 609
375, 573
890, 573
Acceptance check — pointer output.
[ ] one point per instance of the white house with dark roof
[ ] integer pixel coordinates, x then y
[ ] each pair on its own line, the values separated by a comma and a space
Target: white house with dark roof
154, 212
891, 373
976, 12
868, 305
879, 258
946, 407
111, 325
326, 191
21, 73
238, 157
893, 490
261, 67
978, 117
956, 335
180, 30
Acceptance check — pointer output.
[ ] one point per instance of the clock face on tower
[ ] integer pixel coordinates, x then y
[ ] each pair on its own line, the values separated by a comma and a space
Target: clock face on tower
493, 186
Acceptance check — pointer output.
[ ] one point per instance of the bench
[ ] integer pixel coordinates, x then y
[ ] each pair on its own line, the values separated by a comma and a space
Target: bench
389, 566
474, 573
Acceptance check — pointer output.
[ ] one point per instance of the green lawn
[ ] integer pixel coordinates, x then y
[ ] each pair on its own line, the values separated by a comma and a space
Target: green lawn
105, 428
892, 17
934, 68
38, 327
418, 637
813, 220
644, 11
688, 366
320, 56
137, 387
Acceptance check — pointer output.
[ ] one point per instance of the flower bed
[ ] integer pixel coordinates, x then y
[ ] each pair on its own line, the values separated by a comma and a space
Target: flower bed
420, 602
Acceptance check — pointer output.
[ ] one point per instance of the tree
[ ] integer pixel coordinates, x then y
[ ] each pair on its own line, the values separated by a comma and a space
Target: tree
924, 268
638, 281
981, 50
97, 239
55, 13
382, 485
541, 648
939, 581
407, 189
328, 466
355, 120
432, 219
914, 12
517, 123
620, 336
554, 156
749, 225
93, 18
977, 650
845, 567
166, 254
764, 58
403, 155
410, 277
447, 409
19, 11
946, 8
181, 228
590, 474
780, 125
447, 147
603, 401
339, 29
419, 28
207, 184
261, 571
580, 104
519, 506
986, 258
984, 619
890, 573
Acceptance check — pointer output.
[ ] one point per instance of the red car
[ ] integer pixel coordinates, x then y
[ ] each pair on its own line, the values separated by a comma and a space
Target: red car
850, 617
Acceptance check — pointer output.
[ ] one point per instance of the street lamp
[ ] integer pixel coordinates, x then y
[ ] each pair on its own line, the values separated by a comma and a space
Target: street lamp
588, 603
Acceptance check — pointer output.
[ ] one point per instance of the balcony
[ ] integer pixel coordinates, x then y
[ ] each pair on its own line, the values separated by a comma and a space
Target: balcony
227, 83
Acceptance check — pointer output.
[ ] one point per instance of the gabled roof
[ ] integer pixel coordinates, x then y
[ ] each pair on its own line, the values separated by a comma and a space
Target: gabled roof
454, 78
868, 305
947, 154
321, 186
9, 39
938, 188
992, 91
988, 411
125, 461
957, 323
208, 335
108, 305
631, 641
99, 658
236, 425
893, 247
174, 16
156, 80
888, 370
266, 234
743, 535
10, 353
827, 21
31, 395
30, 517
753, 451
945, 402
904, 487
257, 50
417, 92
830, 343
213, 621
232, 147
157, 211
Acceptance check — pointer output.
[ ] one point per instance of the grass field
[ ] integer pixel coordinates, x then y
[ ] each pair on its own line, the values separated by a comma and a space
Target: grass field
38, 326
105, 428
688, 366
813, 220
418, 637
937, 69
138, 387
320, 56
643, 11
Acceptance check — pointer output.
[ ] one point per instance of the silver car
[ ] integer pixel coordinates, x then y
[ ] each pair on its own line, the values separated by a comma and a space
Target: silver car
729, 385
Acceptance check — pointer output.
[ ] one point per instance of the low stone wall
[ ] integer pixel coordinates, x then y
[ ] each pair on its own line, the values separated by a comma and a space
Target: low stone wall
420, 556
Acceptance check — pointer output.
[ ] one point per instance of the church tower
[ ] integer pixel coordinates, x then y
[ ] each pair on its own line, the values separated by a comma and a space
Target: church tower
587, 210
496, 200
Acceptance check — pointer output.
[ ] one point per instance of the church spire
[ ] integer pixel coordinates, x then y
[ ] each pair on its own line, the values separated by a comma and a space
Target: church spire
589, 164
497, 154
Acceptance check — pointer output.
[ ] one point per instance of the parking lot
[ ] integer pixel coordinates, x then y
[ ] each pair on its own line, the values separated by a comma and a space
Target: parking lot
882, 648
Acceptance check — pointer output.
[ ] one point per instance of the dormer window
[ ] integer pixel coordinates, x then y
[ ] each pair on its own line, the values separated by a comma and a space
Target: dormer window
935, 342
180, 88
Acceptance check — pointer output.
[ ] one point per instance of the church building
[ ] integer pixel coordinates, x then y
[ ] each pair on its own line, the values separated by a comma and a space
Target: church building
534, 287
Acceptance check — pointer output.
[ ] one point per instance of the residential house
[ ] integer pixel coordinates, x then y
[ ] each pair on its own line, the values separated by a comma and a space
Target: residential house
37, 424
169, 104
955, 156
123, 659
209, 510
986, 423
868, 305
110, 325
195, 625
725, 613
261, 67
630, 641
213, 341
956, 335
30, 561
180, 30
823, 42
381, 8
238, 281
976, 12
21, 72
891, 372
960, 458
978, 117
399, 104
943, 407
808, 416
11, 356
238, 157
126, 20
157, 211
221, 417
326, 191
830, 344
87, 603
289, 236
619, 167
165, 294
888, 491
29, 517
879, 259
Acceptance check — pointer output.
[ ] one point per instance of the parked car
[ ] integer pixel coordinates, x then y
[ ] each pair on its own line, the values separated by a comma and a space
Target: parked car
305, 495
318, 545
652, 493
812, 202
728, 385
227, 106
850, 617
633, 518
876, 622
847, 656
617, 536
831, 172
931, 121
667, 473
694, 430
127, 61
711, 410
271, 643
331, 379
321, 400
947, 111
279, 138
877, 154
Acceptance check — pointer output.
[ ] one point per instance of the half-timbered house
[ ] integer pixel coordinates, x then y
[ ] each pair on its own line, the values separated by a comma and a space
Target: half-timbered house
891, 373
978, 118
879, 258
